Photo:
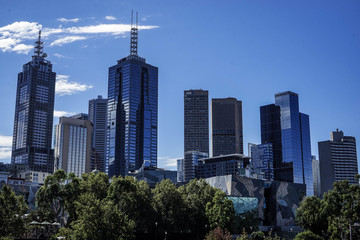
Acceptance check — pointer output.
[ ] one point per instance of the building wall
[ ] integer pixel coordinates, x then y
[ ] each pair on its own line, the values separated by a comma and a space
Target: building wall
196, 121
191, 160
226, 126
316, 176
262, 158
132, 116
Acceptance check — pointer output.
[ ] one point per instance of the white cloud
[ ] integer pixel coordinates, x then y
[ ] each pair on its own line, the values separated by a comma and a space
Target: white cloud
168, 162
65, 40
63, 113
110, 18
5, 146
65, 87
58, 55
68, 20
15, 37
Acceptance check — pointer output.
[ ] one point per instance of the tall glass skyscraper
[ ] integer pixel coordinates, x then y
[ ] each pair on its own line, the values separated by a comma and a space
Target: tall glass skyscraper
34, 111
132, 113
288, 130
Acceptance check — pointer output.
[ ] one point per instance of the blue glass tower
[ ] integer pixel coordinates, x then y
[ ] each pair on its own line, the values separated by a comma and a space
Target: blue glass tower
132, 113
288, 130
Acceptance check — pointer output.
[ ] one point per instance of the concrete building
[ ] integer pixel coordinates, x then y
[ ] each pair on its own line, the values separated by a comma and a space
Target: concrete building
33, 176
226, 126
34, 110
98, 117
180, 170
73, 145
196, 121
338, 160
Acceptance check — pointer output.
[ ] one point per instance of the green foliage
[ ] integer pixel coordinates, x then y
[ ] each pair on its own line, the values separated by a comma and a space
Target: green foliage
170, 207
248, 220
308, 235
218, 234
196, 194
333, 216
220, 211
12, 211
257, 235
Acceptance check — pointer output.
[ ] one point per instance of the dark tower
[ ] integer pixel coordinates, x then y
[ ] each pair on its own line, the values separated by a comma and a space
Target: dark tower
132, 112
34, 111
226, 126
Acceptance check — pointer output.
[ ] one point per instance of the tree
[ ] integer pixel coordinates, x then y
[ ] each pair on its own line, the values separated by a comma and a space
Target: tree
220, 211
133, 198
218, 234
310, 215
308, 235
257, 235
196, 194
12, 213
169, 206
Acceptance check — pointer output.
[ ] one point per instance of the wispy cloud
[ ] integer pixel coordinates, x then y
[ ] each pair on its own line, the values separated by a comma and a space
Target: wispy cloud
63, 113
68, 20
110, 18
5, 146
58, 55
65, 87
14, 37
65, 40
168, 162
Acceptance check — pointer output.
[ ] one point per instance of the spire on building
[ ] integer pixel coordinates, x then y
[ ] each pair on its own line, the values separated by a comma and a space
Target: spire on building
38, 51
134, 36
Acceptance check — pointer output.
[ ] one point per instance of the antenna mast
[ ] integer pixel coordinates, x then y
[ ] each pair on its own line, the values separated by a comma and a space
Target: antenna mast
39, 46
134, 36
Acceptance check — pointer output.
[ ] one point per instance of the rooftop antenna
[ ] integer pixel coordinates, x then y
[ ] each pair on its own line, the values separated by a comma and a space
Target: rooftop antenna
134, 36
39, 46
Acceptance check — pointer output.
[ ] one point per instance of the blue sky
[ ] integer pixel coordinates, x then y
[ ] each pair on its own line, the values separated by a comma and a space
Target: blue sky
244, 49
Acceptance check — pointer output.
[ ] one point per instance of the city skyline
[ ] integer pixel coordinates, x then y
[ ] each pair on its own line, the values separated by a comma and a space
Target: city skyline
314, 53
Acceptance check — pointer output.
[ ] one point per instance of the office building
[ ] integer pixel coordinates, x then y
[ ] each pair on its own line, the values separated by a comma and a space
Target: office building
72, 145
231, 164
132, 113
262, 159
191, 160
316, 176
226, 126
196, 121
98, 117
338, 160
34, 111
288, 131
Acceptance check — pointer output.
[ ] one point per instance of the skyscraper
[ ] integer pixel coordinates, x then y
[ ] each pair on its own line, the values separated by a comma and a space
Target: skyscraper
132, 113
262, 158
98, 117
338, 160
72, 144
316, 176
34, 111
196, 121
289, 131
226, 126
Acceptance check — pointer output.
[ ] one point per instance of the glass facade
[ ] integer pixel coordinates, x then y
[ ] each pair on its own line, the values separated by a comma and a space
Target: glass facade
262, 159
34, 109
288, 130
132, 116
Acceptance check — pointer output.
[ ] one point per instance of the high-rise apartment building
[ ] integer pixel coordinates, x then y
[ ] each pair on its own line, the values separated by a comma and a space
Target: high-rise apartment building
191, 160
98, 117
196, 121
132, 113
34, 111
338, 160
226, 126
72, 144
289, 132
262, 159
